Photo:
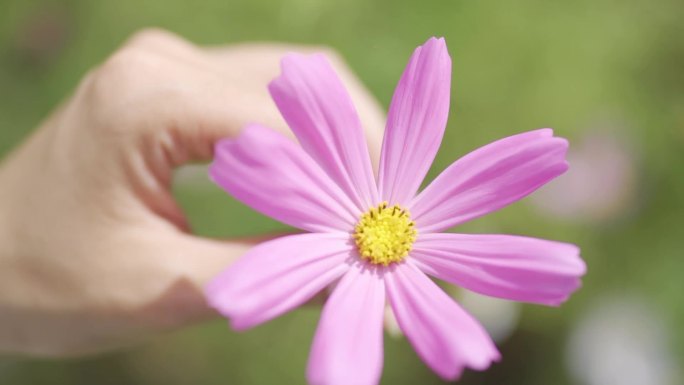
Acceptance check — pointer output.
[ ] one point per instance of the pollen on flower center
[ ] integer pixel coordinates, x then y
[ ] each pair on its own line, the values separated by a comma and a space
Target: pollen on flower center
385, 234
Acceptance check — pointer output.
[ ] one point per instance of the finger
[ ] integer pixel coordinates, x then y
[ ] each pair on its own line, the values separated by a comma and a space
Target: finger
201, 259
263, 61
220, 107
165, 43
391, 324
185, 265
174, 294
176, 97
209, 94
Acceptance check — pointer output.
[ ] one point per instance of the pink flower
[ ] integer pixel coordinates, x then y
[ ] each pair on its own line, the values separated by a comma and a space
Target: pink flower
381, 238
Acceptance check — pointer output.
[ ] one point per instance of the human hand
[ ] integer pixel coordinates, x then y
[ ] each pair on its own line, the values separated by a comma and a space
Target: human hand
94, 251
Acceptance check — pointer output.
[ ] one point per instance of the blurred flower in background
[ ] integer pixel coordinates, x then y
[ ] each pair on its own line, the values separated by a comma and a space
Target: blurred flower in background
601, 183
500, 317
42, 36
622, 340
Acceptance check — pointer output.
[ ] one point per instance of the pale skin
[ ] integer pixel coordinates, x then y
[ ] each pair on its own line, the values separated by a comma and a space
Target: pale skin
94, 251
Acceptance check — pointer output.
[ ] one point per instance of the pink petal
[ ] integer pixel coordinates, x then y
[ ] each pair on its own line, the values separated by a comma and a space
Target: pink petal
505, 266
273, 175
446, 337
321, 114
277, 276
415, 123
490, 178
347, 347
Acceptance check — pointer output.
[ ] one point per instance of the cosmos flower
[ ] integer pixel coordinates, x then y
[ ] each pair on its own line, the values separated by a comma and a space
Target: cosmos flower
379, 239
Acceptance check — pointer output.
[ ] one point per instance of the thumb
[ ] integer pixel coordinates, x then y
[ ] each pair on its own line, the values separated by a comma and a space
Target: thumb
200, 259
194, 261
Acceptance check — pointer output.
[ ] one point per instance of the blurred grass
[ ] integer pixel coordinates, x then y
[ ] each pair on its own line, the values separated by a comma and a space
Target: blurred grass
517, 66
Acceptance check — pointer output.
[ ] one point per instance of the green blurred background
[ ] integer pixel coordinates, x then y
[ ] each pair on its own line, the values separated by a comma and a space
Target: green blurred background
607, 74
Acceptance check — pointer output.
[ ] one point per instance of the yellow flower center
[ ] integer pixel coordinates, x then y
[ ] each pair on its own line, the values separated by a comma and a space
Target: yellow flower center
385, 234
